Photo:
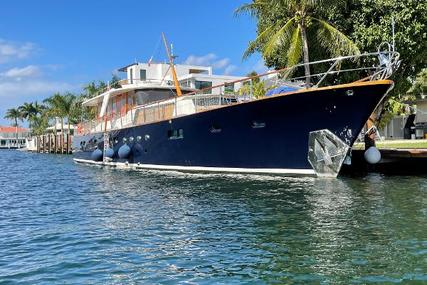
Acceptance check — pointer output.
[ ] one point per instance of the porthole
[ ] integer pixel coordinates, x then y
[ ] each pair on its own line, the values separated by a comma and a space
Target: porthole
138, 138
176, 134
131, 139
147, 137
125, 140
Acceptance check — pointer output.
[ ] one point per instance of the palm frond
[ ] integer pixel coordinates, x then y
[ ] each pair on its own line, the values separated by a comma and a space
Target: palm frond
333, 40
260, 40
295, 49
252, 9
281, 38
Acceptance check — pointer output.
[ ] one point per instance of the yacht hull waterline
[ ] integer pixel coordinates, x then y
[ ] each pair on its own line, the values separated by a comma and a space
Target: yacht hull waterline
269, 135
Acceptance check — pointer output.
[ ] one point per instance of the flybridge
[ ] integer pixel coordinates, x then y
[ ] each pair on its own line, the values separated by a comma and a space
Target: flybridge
149, 83
157, 75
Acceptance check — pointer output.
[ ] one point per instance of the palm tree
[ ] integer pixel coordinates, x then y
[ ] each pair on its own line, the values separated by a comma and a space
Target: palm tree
91, 89
68, 107
28, 112
293, 32
14, 114
55, 110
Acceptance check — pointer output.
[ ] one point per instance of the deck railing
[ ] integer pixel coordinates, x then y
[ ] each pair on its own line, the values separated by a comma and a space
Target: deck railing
362, 67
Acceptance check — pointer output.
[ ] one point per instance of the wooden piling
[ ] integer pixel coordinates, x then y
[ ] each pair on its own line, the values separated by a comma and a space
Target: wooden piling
55, 139
51, 143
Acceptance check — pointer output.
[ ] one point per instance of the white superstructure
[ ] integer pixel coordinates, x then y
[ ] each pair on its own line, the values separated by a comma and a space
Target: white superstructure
150, 85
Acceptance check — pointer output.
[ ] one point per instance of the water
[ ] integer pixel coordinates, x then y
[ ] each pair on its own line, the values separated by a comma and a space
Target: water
71, 224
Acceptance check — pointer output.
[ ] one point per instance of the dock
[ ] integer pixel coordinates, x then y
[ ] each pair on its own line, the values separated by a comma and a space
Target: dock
394, 161
51, 143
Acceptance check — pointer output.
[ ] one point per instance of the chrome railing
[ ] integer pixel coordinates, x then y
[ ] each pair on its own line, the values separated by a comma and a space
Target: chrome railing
345, 69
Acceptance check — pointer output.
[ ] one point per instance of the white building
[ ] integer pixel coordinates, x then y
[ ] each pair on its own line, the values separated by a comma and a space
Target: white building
13, 137
189, 76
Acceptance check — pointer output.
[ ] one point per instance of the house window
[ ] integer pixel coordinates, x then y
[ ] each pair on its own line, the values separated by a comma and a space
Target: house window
176, 134
186, 83
142, 74
204, 84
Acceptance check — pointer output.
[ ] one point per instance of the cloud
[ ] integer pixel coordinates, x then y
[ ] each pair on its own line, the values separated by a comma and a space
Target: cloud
222, 63
213, 60
14, 93
31, 88
200, 60
12, 50
260, 67
18, 73
230, 69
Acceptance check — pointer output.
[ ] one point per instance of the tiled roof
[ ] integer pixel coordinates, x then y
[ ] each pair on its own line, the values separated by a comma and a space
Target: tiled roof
8, 129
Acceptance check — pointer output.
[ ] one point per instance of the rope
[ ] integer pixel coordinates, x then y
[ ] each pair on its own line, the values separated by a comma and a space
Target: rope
156, 50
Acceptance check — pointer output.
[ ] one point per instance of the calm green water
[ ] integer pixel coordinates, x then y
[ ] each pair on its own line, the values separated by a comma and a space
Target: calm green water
63, 223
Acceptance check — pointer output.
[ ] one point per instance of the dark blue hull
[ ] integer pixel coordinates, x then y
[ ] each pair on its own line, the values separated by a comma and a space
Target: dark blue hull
271, 133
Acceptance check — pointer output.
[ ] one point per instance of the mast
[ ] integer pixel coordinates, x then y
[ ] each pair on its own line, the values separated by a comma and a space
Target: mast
172, 66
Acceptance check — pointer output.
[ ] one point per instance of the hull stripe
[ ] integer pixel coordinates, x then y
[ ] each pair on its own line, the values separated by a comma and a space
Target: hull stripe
122, 165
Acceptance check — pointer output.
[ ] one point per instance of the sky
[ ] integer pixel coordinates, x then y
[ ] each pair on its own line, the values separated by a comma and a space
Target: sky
58, 46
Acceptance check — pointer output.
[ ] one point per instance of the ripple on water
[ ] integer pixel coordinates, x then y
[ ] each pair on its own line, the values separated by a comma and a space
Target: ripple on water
62, 222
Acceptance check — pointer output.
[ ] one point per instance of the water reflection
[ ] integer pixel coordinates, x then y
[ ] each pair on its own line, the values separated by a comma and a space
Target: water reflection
112, 226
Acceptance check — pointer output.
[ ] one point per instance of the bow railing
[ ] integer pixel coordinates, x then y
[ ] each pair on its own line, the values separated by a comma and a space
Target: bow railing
340, 70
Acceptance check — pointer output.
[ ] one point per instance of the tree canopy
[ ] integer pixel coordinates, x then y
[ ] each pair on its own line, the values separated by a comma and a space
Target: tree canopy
367, 23
291, 30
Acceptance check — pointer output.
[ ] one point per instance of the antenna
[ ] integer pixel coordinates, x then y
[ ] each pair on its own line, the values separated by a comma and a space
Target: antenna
392, 31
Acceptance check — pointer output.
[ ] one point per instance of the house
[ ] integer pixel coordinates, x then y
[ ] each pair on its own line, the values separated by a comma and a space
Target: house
189, 76
13, 137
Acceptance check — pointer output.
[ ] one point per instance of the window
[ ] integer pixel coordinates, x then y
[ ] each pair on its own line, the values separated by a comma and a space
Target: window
229, 88
142, 74
195, 71
176, 134
131, 75
204, 84
185, 83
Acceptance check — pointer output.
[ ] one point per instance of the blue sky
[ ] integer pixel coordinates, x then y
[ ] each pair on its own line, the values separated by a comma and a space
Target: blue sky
48, 46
